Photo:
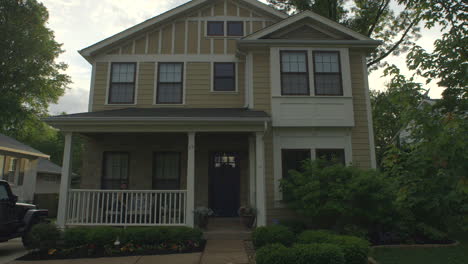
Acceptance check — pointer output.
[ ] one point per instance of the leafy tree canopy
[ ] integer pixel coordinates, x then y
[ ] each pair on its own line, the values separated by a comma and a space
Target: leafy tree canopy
30, 79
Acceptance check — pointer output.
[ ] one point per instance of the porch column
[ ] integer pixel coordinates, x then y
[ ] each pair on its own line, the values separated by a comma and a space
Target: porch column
260, 179
190, 179
65, 180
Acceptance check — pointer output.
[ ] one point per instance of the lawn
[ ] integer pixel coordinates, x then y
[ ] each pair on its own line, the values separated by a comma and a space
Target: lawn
449, 255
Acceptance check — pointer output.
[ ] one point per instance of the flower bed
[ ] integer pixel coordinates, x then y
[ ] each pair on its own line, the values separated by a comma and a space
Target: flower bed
94, 242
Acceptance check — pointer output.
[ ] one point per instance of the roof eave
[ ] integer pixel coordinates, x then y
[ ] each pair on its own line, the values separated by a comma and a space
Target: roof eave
289, 42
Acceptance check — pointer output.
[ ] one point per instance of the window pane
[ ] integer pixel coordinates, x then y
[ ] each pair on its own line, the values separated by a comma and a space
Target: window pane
215, 28
293, 61
170, 72
115, 170
166, 170
121, 93
326, 62
170, 93
123, 72
292, 159
224, 84
295, 84
328, 84
235, 28
332, 156
224, 69
3, 193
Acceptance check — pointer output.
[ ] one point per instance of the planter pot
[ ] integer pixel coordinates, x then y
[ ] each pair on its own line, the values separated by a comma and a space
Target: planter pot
247, 220
201, 221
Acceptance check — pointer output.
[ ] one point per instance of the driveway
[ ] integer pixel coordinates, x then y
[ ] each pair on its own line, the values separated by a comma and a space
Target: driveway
11, 250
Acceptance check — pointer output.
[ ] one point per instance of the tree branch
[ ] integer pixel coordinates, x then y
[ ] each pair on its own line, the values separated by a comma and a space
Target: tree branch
394, 47
382, 8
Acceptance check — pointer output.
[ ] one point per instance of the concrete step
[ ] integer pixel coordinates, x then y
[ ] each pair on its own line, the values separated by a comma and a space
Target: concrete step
224, 228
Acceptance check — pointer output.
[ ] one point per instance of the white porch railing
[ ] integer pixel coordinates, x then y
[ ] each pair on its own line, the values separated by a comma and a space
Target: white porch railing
126, 207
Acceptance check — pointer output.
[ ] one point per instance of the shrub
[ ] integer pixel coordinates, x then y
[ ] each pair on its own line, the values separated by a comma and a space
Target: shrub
43, 236
355, 250
431, 234
334, 197
296, 226
265, 235
157, 235
274, 254
183, 233
103, 236
75, 237
317, 254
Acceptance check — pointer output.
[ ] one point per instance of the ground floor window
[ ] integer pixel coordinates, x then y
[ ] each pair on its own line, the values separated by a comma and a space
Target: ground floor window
332, 156
292, 159
116, 170
166, 171
12, 171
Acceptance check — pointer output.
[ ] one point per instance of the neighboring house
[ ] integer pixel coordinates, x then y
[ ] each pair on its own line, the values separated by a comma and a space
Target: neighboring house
48, 186
19, 167
210, 104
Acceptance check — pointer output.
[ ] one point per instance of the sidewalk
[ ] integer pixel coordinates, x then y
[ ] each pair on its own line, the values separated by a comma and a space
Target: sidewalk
224, 252
11, 250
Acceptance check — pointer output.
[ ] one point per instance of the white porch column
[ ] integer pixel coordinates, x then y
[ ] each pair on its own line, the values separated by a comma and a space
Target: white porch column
65, 180
252, 169
260, 179
190, 179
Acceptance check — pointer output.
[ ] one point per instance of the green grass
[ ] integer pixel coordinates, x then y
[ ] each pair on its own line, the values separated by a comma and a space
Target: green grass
449, 255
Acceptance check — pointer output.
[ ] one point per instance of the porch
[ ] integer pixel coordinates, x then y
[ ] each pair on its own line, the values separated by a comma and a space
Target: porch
137, 174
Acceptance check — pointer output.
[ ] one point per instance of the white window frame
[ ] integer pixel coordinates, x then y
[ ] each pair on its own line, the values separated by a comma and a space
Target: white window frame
236, 77
184, 83
137, 74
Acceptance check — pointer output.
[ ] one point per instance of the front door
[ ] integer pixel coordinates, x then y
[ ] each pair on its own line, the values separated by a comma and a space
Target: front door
224, 183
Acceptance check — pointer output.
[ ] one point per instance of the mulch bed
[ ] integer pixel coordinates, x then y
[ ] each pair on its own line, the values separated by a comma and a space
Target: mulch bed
451, 244
86, 252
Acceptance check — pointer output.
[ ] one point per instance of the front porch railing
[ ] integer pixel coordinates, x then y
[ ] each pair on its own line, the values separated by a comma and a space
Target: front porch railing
126, 207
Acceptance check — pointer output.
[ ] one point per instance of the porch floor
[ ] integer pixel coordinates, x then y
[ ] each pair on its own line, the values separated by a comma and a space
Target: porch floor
226, 228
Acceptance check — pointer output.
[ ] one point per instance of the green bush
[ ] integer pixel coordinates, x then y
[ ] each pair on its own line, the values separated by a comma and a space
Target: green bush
43, 236
75, 237
183, 233
265, 235
334, 197
103, 236
157, 235
430, 233
356, 250
317, 254
274, 254
296, 226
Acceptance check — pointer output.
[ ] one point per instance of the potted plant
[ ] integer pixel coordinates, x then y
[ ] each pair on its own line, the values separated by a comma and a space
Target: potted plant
201, 216
247, 215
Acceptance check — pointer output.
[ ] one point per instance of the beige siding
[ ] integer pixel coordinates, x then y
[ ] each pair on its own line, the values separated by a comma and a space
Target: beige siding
360, 133
146, 84
193, 37
128, 48
167, 40
244, 12
219, 8
256, 26
304, 32
179, 44
205, 45
231, 9
153, 42
100, 85
219, 46
140, 45
261, 81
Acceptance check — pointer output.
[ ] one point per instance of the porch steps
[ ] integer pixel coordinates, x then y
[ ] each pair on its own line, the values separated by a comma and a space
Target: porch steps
226, 228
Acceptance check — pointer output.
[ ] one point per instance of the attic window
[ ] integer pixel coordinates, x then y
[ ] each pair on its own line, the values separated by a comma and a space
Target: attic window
215, 28
235, 28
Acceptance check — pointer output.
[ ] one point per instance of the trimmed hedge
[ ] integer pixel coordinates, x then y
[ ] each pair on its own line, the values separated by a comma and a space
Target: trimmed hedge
356, 250
300, 254
265, 235
102, 236
75, 237
43, 236
157, 235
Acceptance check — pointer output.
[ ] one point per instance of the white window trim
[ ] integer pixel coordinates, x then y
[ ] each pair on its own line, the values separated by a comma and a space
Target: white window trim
306, 138
137, 74
236, 78
275, 70
184, 83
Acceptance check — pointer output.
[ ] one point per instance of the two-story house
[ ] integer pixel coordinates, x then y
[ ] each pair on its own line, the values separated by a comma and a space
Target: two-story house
210, 104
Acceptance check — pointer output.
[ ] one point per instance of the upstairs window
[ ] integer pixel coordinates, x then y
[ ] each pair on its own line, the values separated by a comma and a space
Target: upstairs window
331, 156
215, 28
235, 28
327, 73
224, 77
122, 83
116, 167
294, 73
170, 83
292, 159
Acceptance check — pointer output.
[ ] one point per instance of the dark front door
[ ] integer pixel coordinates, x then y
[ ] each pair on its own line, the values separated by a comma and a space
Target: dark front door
225, 183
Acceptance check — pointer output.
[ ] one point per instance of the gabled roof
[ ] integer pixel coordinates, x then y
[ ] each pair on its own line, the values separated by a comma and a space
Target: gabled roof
305, 15
47, 166
9, 144
89, 51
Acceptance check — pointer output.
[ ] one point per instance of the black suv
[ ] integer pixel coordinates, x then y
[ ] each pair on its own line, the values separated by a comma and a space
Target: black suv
16, 219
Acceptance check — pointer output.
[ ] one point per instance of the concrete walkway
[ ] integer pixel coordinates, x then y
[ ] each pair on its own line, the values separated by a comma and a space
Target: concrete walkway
224, 252
11, 250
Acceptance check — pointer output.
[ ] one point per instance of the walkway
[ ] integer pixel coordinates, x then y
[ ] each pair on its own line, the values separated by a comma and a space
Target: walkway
224, 252
11, 250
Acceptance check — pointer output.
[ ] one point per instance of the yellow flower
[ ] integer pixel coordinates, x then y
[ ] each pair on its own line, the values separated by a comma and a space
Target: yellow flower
52, 251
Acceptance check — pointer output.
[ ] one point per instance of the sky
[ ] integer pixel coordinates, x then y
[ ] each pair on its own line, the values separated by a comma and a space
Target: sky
78, 24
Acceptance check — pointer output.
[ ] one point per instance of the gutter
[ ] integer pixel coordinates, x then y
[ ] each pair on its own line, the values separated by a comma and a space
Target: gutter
352, 43
130, 119
12, 150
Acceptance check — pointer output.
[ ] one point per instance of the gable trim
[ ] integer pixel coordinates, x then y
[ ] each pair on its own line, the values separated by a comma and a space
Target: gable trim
292, 29
286, 22
88, 51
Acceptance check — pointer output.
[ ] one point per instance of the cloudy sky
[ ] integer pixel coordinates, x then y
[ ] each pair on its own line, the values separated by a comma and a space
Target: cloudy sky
78, 24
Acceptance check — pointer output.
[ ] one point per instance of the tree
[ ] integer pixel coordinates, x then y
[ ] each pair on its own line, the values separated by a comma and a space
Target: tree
30, 78
373, 18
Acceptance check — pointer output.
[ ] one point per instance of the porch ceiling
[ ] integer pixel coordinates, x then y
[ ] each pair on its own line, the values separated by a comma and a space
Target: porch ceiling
162, 120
